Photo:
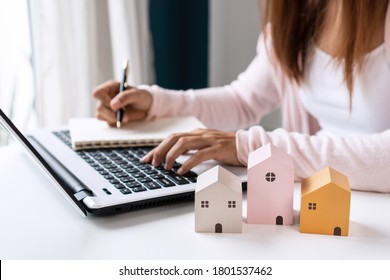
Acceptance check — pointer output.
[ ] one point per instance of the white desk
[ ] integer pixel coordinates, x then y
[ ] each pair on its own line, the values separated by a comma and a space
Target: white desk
37, 223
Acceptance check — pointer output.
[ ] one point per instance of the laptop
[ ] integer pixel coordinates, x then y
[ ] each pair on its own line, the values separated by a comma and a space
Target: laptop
107, 181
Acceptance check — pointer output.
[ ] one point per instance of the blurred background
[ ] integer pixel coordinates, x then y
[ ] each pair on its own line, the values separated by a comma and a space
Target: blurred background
53, 53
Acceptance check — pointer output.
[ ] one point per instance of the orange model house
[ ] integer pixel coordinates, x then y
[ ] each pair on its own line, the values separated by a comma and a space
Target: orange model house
325, 203
218, 202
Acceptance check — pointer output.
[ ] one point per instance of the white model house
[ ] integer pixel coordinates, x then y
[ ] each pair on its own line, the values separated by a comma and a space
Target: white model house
218, 202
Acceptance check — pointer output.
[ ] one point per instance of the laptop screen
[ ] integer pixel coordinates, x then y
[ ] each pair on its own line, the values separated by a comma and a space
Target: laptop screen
38, 158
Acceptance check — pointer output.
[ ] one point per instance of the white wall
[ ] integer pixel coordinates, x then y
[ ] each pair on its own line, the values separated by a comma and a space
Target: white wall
234, 30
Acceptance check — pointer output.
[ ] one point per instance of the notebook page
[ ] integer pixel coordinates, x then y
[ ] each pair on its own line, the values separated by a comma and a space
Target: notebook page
89, 133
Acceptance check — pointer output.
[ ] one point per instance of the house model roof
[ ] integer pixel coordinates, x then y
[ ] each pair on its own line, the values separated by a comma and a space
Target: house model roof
218, 174
267, 151
323, 178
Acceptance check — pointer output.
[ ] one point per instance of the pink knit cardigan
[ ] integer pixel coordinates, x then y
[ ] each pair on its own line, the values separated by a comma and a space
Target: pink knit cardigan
261, 88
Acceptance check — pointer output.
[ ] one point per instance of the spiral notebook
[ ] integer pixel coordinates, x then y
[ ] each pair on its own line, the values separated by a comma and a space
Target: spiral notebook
90, 133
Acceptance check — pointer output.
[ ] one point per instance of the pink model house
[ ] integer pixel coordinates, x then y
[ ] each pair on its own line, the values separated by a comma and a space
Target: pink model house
270, 187
218, 202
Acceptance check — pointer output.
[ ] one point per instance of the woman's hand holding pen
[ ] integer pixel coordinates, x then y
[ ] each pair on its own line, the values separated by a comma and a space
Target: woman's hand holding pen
206, 143
135, 103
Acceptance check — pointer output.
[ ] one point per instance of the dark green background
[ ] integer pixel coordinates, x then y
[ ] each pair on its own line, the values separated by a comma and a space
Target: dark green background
180, 31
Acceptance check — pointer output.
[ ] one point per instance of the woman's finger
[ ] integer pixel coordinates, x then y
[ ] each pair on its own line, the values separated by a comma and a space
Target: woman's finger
157, 155
197, 158
182, 146
209, 144
132, 98
133, 115
106, 91
104, 113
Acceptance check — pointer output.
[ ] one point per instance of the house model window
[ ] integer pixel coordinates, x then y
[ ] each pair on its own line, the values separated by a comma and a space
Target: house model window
270, 177
204, 204
231, 204
312, 206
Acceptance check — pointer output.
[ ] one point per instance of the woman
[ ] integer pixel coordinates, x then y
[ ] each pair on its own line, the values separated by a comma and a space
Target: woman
323, 62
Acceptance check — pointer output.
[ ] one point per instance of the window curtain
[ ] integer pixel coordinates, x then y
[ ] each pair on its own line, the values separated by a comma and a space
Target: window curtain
16, 83
78, 44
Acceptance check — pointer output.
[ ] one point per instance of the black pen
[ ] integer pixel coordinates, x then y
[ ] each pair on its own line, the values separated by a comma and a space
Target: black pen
122, 87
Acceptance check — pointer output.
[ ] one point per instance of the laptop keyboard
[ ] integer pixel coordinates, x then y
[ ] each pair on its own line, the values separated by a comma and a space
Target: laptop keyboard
123, 169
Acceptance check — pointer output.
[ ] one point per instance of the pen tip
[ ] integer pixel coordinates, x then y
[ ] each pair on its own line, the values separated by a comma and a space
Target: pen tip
118, 124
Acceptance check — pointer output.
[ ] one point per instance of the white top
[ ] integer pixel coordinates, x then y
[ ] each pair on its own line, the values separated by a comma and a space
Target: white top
325, 95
